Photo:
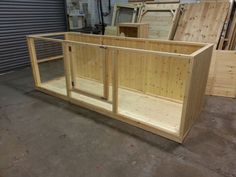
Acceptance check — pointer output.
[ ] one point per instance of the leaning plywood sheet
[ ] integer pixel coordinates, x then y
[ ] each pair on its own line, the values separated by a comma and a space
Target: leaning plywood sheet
162, 19
222, 75
231, 39
202, 22
227, 26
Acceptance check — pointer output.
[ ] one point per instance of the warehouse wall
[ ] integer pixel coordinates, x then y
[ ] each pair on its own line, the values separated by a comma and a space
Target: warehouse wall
19, 18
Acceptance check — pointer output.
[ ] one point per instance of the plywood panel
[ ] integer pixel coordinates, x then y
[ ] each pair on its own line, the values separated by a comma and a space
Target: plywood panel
195, 91
202, 22
222, 76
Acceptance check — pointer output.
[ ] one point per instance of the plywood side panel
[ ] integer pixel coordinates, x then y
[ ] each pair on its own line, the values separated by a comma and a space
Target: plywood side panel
202, 22
195, 92
222, 76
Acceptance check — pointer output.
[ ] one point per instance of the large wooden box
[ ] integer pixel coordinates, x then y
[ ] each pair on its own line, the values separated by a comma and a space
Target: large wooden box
156, 85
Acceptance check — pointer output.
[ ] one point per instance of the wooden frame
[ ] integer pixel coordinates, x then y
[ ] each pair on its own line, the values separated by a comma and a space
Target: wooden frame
139, 30
173, 9
117, 8
155, 85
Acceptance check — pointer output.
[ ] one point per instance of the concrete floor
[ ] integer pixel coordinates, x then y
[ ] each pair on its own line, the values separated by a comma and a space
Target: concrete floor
42, 136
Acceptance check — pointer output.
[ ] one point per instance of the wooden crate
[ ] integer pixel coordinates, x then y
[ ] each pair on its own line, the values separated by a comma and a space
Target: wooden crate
138, 30
156, 85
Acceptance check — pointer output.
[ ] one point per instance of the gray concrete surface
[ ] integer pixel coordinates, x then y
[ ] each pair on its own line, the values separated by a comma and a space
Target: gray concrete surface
42, 136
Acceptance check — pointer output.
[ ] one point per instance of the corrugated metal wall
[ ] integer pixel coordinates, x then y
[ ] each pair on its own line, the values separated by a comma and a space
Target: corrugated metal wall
19, 18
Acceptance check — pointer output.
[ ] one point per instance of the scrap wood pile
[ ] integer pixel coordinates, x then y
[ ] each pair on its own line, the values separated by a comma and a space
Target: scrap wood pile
210, 21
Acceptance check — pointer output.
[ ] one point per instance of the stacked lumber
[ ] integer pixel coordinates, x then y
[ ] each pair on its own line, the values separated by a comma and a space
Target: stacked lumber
213, 22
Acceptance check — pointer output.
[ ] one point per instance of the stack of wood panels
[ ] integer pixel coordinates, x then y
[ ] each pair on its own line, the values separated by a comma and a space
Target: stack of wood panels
231, 35
213, 22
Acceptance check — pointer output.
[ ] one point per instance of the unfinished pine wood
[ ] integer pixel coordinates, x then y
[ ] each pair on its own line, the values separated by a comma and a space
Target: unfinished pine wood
156, 67
127, 80
155, 106
202, 22
161, 19
222, 76
199, 69
231, 36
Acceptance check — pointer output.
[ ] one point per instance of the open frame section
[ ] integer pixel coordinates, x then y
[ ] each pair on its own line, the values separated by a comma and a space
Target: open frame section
156, 85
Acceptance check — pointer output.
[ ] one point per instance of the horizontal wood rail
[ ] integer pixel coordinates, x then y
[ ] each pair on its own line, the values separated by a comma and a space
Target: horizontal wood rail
50, 59
91, 95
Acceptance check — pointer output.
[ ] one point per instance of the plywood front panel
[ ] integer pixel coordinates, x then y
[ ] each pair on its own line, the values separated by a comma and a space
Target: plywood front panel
202, 22
89, 61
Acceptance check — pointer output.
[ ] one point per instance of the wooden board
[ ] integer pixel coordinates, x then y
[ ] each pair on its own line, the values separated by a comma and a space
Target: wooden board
133, 64
222, 76
158, 113
202, 22
161, 19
